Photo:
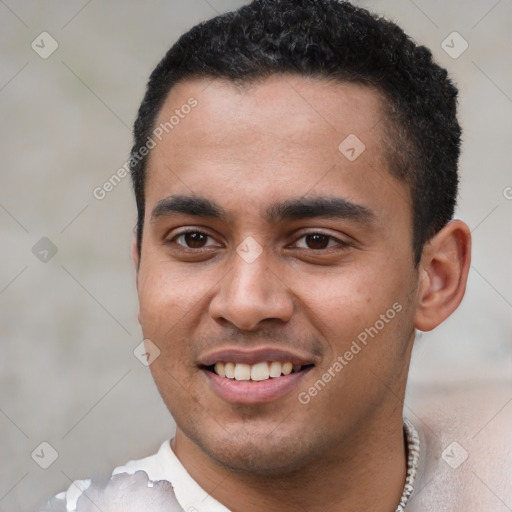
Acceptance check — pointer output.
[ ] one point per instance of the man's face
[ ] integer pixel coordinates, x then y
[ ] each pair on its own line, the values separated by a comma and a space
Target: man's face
303, 255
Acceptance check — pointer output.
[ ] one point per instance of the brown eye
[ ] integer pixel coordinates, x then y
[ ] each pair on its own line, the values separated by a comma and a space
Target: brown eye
192, 239
320, 241
195, 240
317, 241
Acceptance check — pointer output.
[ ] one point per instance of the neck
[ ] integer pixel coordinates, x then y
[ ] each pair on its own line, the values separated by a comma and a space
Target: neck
365, 472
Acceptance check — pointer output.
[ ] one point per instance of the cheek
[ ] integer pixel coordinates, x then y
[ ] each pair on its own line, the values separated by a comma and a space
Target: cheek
165, 307
360, 302
167, 295
341, 299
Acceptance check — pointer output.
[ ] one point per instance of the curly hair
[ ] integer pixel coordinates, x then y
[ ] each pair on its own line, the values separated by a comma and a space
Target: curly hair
333, 40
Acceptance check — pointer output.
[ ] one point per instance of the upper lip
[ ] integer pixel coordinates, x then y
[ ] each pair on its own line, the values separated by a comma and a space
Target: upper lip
253, 356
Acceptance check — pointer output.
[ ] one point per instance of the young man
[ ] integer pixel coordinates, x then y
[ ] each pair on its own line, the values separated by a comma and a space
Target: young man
295, 171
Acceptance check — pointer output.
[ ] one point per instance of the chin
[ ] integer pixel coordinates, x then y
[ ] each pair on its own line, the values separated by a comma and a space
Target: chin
254, 453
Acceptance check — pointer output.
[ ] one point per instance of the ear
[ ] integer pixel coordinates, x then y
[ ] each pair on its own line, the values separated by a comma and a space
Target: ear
443, 275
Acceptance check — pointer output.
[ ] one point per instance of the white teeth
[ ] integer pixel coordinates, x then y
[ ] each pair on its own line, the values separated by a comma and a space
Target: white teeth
260, 371
287, 368
256, 372
220, 369
229, 369
242, 372
275, 369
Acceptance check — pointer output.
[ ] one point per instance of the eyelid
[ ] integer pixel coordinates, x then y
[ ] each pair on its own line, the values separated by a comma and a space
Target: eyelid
189, 230
340, 242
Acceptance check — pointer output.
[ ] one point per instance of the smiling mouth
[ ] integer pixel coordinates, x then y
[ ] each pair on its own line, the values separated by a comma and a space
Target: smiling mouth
258, 372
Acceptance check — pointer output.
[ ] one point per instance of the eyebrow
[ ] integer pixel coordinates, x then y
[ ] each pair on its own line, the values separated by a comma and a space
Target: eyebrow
320, 206
290, 209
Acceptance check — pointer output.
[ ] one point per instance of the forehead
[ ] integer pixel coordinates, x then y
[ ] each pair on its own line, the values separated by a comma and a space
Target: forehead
282, 136
275, 107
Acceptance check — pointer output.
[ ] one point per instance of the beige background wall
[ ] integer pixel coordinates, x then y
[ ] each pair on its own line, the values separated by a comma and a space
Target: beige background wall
68, 327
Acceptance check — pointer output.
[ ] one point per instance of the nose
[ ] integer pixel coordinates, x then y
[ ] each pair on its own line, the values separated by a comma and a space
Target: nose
251, 293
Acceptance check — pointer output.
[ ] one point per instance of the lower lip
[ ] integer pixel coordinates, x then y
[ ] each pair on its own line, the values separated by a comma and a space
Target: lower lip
254, 392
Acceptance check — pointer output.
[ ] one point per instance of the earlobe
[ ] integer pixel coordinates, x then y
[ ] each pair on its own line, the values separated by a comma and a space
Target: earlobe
444, 270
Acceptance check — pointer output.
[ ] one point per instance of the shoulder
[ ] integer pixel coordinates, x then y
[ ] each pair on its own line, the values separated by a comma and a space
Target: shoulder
66, 501
467, 452
155, 466
136, 486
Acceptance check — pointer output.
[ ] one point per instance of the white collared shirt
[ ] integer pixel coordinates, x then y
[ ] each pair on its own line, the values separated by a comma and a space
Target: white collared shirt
164, 465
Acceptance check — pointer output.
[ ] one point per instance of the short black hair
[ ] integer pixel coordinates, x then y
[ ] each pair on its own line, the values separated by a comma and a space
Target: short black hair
333, 40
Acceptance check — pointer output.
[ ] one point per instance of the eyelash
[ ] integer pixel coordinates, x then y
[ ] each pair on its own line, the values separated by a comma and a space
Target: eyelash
341, 244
